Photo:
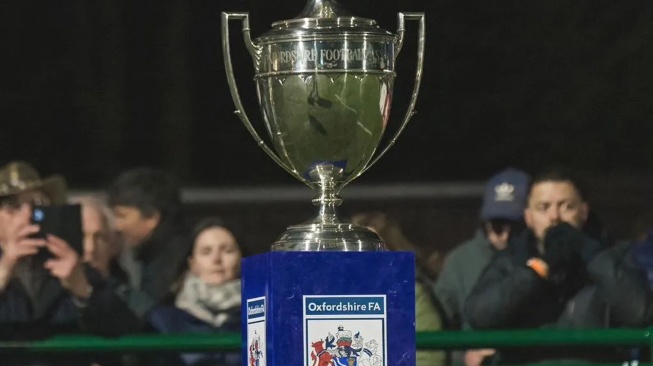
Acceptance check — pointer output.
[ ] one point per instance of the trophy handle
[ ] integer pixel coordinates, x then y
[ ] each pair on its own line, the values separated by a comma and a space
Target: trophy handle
418, 77
255, 52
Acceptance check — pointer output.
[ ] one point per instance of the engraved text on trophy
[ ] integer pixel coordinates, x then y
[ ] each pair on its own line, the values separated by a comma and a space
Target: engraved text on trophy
324, 55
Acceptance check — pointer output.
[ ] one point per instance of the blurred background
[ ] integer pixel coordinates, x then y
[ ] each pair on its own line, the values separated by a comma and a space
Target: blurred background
90, 88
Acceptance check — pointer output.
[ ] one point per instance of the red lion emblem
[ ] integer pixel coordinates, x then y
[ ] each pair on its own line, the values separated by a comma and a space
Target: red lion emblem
319, 355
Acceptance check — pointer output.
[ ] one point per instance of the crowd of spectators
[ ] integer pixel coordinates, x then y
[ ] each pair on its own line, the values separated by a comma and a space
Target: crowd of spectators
539, 258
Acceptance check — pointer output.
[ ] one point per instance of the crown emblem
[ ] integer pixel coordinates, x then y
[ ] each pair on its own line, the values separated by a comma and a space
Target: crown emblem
504, 192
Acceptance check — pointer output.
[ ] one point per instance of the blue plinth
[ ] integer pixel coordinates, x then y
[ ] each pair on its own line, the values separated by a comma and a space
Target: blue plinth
329, 309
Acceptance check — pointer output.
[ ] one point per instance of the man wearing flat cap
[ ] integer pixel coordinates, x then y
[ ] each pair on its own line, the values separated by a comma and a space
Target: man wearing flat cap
41, 297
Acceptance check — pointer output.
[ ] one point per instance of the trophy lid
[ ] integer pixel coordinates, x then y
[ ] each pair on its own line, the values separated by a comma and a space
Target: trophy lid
323, 16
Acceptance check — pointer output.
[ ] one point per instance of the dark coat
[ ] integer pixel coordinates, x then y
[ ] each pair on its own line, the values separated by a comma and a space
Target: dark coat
510, 295
623, 283
54, 313
160, 260
168, 319
622, 275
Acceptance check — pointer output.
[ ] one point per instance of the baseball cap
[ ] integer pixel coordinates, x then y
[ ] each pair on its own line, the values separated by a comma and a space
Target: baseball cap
505, 195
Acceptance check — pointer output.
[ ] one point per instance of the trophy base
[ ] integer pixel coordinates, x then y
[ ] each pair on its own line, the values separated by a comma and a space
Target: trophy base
358, 308
328, 237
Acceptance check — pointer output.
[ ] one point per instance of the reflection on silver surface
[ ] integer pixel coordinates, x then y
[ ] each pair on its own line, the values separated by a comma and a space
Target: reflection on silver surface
324, 84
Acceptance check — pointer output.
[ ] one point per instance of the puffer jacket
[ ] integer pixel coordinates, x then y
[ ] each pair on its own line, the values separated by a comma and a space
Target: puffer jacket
510, 295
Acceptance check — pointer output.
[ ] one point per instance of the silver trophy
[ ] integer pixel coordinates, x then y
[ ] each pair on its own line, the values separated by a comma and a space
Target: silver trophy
324, 84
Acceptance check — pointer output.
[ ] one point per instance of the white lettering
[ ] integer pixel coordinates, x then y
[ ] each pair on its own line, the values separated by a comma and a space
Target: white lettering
374, 306
343, 307
327, 55
253, 310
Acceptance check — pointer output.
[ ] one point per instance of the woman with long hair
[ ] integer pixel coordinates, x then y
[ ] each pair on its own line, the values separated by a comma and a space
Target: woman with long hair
207, 296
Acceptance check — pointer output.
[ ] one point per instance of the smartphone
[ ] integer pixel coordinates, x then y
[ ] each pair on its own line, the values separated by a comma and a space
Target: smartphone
64, 221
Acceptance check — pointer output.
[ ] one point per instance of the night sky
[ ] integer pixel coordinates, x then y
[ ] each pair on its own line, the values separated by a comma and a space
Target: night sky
89, 88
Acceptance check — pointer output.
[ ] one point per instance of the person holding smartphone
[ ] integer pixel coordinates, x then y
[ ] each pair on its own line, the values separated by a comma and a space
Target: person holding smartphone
20, 189
45, 288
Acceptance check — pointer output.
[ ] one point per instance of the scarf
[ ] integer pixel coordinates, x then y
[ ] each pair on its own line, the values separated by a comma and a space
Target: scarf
210, 304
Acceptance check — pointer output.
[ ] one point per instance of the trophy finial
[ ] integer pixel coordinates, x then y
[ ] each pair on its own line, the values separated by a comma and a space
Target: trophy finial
323, 9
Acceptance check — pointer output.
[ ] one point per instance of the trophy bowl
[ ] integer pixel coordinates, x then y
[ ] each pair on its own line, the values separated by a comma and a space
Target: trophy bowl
324, 82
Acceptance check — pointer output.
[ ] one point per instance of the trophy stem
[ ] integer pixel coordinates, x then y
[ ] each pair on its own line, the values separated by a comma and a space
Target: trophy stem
326, 232
327, 201
328, 178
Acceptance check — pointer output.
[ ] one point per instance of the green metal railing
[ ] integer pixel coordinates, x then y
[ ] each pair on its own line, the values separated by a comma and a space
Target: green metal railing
425, 340
127, 344
533, 338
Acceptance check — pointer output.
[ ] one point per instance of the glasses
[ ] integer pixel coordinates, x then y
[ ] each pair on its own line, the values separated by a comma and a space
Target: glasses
499, 226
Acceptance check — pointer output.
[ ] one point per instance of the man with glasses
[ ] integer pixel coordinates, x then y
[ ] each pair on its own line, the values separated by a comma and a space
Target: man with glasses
501, 217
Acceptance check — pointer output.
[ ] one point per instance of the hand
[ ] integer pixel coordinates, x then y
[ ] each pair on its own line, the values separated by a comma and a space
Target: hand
475, 357
67, 267
18, 243
563, 244
378, 222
